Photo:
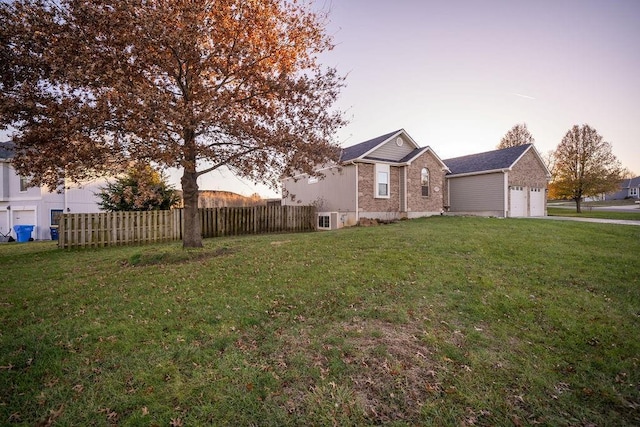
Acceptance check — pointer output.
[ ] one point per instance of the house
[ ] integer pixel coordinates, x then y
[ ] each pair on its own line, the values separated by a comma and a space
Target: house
21, 204
629, 189
384, 178
511, 182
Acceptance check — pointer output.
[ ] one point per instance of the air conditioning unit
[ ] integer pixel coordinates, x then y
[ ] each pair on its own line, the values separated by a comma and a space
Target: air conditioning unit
328, 221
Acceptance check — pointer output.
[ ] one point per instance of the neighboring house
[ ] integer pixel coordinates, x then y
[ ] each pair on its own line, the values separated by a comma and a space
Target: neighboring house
385, 178
511, 182
21, 204
629, 189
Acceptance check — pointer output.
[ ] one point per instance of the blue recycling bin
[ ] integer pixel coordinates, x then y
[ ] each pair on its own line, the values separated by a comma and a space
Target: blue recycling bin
23, 232
54, 233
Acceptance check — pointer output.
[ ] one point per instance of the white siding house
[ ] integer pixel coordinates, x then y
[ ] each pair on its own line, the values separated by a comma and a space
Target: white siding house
38, 206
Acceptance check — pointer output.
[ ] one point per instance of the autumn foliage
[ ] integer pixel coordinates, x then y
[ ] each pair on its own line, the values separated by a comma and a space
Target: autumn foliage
584, 166
87, 87
517, 135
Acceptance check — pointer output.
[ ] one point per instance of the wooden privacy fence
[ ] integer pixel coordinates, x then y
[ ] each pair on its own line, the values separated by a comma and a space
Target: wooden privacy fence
125, 228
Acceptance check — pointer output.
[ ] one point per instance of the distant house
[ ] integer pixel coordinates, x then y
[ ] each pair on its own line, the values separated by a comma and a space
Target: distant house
21, 204
511, 182
629, 189
384, 178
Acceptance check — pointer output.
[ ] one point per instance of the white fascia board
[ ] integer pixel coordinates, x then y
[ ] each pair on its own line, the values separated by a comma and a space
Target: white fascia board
478, 173
395, 135
537, 154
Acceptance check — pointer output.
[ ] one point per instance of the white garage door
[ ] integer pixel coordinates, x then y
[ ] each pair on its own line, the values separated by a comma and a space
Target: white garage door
24, 217
4, 223
536, 201
518, 202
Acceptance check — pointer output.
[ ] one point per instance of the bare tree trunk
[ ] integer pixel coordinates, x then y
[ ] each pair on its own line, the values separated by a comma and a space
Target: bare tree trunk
578, 201
192, 234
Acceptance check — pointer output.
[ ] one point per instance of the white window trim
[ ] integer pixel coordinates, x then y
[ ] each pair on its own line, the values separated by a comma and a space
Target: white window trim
323, 216
24, 183
381, 168
633, 191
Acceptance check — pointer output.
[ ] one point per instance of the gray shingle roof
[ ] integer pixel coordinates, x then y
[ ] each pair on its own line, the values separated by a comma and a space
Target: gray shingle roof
6, 150
355, 151
487, 161
631, 182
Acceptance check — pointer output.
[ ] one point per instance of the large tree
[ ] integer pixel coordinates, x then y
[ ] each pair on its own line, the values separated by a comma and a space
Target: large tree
584, 166
517, 135
87, 86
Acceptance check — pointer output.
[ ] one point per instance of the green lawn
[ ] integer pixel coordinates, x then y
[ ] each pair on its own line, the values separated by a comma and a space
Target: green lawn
588, 213
438, 321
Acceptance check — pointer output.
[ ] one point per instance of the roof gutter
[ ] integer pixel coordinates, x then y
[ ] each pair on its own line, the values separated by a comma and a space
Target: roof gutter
459, 175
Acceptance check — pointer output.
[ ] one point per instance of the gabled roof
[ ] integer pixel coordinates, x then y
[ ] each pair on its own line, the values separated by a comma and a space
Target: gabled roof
362, 150
631, 182
6, 150
496, 160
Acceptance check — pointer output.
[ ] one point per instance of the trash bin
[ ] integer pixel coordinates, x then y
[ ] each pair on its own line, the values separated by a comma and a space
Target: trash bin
54, 233
23, 232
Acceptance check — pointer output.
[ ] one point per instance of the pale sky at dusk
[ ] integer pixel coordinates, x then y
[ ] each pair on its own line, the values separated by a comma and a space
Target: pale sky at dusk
457, 75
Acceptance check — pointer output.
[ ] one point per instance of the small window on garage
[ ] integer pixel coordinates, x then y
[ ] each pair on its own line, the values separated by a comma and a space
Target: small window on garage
424, 181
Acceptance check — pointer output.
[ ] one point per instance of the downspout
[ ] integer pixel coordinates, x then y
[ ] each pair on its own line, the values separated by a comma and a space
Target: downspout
506, 193
357, 197
64, 192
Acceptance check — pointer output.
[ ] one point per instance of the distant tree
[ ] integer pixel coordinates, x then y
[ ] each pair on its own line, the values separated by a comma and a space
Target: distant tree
584, 166
141, 189
517, 135
90, 85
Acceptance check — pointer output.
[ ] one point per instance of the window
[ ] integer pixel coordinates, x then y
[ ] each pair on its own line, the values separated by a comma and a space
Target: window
312, 180
24, 183
633, 192
55, 216
324, 221
424, 181
382, 181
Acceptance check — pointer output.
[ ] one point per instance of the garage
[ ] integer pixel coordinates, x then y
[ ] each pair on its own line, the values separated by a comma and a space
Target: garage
536, 201
517, 201
4, 223
510, 182
24, 216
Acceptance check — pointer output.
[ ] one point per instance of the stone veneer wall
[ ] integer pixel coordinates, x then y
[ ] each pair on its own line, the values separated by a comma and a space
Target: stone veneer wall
435, 201
528, 172
366, 182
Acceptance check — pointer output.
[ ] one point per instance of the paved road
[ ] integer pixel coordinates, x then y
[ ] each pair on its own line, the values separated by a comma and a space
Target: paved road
622, 208
600, 220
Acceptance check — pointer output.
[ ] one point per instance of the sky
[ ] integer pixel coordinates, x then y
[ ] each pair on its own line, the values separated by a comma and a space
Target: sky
457, 75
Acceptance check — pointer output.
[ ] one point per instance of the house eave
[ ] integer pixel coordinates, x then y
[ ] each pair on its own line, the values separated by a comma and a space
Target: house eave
459, 175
